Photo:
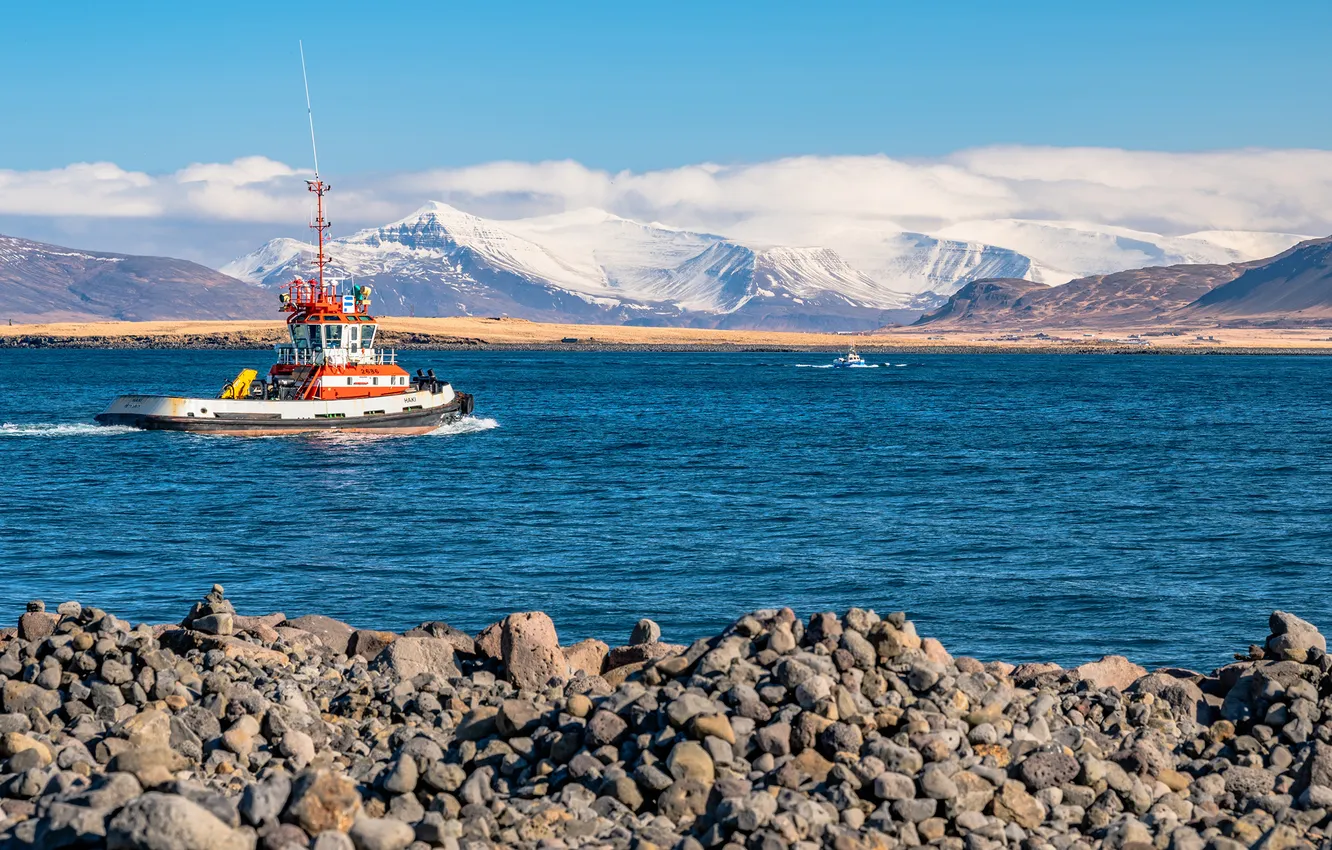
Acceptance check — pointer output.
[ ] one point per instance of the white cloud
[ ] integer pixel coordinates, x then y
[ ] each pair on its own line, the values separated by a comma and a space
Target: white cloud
790, 200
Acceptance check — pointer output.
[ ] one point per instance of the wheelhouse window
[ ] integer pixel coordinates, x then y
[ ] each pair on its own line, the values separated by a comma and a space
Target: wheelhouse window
367, 336
300, 336
333, 336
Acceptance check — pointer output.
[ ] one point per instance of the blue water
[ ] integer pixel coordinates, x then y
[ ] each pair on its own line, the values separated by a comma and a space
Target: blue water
1019, 507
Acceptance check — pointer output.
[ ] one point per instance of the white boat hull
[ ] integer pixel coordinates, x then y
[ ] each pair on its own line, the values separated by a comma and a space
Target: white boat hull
417, 412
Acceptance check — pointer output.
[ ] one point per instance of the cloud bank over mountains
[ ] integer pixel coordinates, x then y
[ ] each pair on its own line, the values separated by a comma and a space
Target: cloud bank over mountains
793, 201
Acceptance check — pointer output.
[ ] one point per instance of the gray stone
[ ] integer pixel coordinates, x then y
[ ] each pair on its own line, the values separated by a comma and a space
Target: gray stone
381, 834
894, 786
332, 840
214, 624
937, 784
1292, 638
169, 822
1048, 770
517, 717
407, 657
646, 631
1248, 781
604, 728
402, 777
262, 802
297, 747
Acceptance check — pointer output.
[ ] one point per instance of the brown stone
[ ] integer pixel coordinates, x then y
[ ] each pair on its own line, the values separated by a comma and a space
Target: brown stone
488, 642
152, 766
298, 638
322, 800
587, 656
234, 647
13, 743
368, 643
934, 651
617, 677
688, 760
813, 765
463, 644
478, 723
998, 752
1112, 671
270, 621
1034, 669
1015, 805
148, 728
634, 653
262, 631
531, 650
716, 725
332, 633
21, 697
36, 625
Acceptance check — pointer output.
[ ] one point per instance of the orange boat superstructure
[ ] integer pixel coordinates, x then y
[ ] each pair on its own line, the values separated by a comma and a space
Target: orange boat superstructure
332, 351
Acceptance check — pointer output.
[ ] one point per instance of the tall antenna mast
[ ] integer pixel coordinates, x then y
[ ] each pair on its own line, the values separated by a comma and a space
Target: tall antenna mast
309, 111
316, 185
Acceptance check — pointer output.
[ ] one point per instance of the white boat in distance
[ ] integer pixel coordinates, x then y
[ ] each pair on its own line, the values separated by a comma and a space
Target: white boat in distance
851, 359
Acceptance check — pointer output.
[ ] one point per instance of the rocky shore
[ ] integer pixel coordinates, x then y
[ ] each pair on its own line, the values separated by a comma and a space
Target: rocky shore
843, 731
406, 342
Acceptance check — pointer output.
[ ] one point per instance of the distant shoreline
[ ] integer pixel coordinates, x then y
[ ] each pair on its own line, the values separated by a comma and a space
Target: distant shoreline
12, 343
481, 334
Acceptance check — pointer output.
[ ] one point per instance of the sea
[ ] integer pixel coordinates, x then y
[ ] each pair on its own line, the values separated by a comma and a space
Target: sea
1017, 506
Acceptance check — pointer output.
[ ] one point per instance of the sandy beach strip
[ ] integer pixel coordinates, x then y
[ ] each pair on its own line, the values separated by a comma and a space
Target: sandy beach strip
474, 332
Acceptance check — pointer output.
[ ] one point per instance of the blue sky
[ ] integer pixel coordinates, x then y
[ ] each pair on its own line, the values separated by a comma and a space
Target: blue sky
400, 87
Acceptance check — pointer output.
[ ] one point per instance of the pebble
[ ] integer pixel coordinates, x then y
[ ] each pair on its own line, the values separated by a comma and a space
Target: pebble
846, 732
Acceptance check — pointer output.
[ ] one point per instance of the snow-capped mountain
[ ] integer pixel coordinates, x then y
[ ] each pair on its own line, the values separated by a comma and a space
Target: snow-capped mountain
629, 254
1067, 250
592, 266
917, 262
726, 276
582, 266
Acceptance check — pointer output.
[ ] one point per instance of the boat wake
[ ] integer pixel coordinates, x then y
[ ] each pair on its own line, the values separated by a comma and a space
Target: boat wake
466, 425
830, 366
61, 429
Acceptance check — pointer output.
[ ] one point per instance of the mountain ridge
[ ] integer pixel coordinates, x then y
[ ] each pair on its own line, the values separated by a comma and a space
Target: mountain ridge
46, 283
1295, 284
592, 265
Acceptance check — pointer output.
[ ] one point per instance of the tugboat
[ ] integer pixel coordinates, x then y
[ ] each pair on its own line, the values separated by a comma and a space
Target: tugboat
328, 377
848, 360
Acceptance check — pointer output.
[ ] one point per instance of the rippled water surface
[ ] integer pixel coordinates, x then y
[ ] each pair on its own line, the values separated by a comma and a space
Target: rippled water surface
1019, 507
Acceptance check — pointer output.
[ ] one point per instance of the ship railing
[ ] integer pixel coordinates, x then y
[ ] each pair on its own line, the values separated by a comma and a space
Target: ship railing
290, 356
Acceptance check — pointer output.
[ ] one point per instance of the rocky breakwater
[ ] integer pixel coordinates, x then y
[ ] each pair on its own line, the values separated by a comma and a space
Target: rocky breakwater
847, 732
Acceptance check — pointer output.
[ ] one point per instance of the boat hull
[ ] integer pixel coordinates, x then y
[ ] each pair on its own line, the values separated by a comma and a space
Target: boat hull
415, 413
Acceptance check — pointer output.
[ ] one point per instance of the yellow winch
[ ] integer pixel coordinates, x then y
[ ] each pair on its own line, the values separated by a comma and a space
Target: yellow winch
239, 388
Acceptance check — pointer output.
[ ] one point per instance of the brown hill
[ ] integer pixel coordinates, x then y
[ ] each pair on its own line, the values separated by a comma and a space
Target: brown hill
46, 283
1136, 298
1294, 286
982, 302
